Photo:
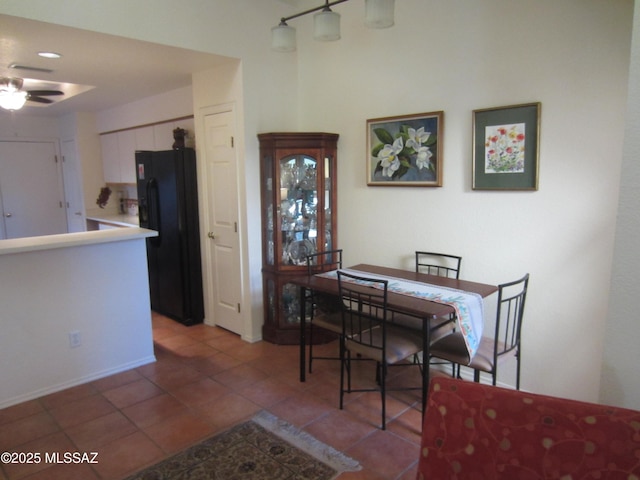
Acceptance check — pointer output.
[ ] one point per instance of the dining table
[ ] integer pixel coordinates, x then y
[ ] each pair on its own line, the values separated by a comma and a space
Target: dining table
428, 311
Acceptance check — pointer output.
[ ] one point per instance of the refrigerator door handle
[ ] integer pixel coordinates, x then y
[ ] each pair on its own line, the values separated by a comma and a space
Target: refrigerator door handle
153, 205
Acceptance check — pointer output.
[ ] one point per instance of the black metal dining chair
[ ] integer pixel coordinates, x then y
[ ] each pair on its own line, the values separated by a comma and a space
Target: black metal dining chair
493, 350
365, 311
441, 264
324, 309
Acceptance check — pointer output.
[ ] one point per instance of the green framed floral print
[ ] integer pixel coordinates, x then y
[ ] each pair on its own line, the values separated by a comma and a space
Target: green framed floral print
505, 147
405, 150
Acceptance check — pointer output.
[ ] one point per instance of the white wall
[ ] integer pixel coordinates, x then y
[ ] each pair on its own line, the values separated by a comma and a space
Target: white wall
13, 125
81, 128
620, 382
571, 56
89, 152
167, 106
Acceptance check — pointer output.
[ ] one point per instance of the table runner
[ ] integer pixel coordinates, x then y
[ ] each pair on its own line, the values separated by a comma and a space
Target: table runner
468, 305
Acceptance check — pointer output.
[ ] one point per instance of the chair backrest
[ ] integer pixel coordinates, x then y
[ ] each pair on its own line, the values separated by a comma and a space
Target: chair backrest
320, 262
324, 261
440, 264
510, 311
364, 308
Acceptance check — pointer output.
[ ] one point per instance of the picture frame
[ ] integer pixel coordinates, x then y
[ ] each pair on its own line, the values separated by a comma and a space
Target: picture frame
506, 143
405, 150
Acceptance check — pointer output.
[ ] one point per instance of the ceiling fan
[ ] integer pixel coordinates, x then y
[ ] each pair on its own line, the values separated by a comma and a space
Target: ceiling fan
12, 97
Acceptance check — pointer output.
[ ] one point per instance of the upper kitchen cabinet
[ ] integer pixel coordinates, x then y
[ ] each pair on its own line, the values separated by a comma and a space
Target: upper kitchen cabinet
118, 156
127, 154
145, 139
110, 158
119, 148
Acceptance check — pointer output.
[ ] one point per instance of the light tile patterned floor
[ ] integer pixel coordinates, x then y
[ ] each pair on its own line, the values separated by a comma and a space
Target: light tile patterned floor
206, 380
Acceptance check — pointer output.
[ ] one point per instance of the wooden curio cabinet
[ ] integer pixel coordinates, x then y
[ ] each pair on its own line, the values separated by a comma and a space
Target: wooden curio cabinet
299, 199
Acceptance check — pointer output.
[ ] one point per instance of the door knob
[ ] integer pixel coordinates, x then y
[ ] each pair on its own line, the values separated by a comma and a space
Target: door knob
211, 235
8, 215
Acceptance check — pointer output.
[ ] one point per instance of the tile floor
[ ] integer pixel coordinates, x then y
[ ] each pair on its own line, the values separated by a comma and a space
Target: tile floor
204, 381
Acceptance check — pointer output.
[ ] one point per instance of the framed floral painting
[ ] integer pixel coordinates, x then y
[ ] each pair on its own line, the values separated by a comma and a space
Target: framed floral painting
505, 147
405, 150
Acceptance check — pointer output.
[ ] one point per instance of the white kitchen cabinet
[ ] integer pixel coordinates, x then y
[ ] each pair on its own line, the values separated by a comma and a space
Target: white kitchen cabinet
118, 157
110, 157
118, 148
127, 155
119, 153
163, 135
145, 139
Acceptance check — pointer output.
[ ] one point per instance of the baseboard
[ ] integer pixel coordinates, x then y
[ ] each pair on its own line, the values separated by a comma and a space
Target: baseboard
75, 382
467, 374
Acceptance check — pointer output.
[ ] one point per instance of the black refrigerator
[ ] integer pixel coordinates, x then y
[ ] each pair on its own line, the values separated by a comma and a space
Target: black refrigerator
168, 203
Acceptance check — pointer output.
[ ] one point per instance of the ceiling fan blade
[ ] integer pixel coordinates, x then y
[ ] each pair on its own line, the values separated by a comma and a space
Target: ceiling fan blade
44, 93
31, 98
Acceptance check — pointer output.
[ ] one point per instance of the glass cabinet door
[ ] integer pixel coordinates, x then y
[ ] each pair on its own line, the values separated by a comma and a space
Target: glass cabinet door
298, 208
267, 205
328, 179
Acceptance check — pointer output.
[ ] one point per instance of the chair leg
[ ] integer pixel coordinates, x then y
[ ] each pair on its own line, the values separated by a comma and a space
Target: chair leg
476, 376
310, 346
518, 370
425, 381
342, 368
349, 371
416, 359
383, 392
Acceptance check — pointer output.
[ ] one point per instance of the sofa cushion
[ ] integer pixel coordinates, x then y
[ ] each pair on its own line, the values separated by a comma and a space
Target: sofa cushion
476, 431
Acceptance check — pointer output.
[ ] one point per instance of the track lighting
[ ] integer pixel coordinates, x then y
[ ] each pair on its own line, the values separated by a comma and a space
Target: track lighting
326, 23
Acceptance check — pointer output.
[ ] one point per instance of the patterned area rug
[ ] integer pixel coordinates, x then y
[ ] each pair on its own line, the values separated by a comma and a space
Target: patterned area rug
264, 448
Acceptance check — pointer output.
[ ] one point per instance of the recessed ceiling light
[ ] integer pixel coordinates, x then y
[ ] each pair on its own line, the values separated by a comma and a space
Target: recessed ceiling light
49, 54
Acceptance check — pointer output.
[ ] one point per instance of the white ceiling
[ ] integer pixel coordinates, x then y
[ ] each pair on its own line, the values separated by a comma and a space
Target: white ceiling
120, 70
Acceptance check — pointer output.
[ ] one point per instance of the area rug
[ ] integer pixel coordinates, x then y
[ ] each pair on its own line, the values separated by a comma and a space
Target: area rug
264, 448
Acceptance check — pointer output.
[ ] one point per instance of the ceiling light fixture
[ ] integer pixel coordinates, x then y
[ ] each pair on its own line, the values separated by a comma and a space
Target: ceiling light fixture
49, 54
11, 97
379, 13
12, 100
326, 23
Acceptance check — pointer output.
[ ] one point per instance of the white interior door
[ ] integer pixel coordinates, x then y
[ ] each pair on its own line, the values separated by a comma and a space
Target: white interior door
73, 187
223, 244
31, 187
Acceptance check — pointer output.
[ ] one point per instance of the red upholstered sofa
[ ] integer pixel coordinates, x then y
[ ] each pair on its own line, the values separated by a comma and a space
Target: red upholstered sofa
473, 431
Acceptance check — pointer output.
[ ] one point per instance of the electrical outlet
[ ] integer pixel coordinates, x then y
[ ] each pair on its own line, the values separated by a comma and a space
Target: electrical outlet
74, 339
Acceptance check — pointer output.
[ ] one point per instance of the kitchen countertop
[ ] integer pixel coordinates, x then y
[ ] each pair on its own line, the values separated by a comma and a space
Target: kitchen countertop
65, 240
117, 220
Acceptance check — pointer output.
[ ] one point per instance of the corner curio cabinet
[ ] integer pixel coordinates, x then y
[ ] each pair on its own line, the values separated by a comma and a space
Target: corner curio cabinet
299, 199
